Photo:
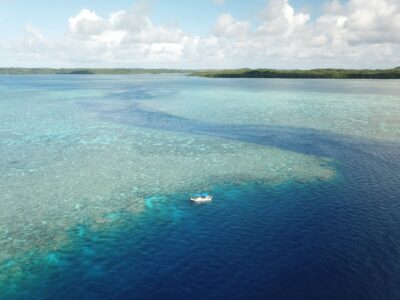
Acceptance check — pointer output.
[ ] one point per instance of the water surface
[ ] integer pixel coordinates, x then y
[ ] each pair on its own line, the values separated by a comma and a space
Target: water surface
96, 172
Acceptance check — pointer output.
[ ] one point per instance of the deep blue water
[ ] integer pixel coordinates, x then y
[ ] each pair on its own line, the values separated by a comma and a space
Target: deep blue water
338, 239
335, 240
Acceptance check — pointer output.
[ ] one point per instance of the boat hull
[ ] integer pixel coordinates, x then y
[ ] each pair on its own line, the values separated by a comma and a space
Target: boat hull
201, 199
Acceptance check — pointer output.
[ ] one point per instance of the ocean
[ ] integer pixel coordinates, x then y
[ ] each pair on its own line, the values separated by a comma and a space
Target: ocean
96, 174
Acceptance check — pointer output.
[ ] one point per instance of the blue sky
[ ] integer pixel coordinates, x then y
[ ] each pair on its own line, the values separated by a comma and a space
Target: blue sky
200, 33
195, 17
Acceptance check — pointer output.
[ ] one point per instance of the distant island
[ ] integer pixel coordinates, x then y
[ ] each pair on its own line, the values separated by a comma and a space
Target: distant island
228, 73
314, 73
86, 71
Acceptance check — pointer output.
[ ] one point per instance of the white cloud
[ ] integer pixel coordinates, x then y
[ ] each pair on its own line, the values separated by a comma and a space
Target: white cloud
355, 33
228, 27
86, 23
373, 21
280, 18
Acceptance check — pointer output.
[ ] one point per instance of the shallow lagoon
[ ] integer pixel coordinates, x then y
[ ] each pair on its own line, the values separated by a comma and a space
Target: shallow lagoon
96, 171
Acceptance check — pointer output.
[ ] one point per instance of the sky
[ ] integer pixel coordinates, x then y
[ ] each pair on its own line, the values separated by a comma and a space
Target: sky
190, 34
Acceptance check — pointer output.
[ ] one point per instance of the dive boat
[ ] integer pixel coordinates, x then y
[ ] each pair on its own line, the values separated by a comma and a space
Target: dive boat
201, 198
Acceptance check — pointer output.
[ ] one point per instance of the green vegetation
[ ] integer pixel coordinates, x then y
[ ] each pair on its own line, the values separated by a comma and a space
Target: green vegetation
232, 73
315, 73
80, 71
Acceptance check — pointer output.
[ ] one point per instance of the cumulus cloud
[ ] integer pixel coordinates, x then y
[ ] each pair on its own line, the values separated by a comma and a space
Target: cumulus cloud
86, 23
228, 27
373, 21
355, 33
122, 37
280, 18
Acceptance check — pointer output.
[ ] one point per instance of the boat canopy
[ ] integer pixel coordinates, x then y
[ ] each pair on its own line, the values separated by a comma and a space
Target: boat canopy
201, 195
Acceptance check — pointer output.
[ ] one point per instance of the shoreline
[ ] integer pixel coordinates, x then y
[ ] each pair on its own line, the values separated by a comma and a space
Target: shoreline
393, 73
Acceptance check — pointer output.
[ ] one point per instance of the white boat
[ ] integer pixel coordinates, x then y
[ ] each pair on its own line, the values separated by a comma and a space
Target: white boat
201, 198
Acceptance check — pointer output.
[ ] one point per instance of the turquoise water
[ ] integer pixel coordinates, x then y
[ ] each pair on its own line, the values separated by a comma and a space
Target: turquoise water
96, 172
